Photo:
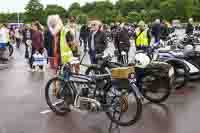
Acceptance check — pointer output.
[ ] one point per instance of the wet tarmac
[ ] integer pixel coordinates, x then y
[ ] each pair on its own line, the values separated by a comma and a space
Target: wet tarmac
23, 108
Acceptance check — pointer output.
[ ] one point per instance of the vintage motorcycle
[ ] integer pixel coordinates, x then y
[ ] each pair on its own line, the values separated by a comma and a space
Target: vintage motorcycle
94, 94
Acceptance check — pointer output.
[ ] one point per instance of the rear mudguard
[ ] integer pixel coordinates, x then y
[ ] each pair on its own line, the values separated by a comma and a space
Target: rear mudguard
177, 62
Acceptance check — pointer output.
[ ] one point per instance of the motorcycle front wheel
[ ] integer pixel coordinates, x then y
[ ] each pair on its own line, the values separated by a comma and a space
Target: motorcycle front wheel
58, 96
126, 106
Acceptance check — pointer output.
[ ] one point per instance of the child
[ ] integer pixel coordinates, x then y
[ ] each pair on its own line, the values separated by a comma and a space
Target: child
40, 60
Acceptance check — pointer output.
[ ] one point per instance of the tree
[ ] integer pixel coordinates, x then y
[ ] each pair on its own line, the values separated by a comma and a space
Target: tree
74, 9
151, 4
184, 8
34, 10
120, 19
74, 6
123, 10
82, 19
88, 7
55, 9
75, 13
102, 10
196, 10
168, 9
144, 15
133, 17
127, 6
154, 14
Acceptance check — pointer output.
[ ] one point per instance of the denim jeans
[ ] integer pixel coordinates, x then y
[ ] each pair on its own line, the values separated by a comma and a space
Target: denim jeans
92, 54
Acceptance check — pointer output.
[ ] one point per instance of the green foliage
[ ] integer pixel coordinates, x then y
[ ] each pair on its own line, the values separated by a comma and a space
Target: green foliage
168, 9
133, 17
120, 19
75, 12
123, 10
75, 6
82, 19
184, 8
55, 9
154, 14
34, 10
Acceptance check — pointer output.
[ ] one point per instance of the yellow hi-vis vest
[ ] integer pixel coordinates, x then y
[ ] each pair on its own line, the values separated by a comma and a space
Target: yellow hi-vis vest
142, 38
66, 53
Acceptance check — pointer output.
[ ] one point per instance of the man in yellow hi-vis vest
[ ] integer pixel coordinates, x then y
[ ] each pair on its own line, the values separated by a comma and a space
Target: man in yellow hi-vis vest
142, 37
66, 52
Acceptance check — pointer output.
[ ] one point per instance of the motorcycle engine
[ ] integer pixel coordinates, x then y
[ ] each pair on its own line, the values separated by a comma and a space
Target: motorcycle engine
86, 101
89, 104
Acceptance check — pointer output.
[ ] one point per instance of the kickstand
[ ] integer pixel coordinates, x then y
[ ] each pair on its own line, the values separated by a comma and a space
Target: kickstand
114, 128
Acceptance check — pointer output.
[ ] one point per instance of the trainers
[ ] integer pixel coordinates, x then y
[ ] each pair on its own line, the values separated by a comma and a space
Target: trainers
29, 69
41, 70
33, 70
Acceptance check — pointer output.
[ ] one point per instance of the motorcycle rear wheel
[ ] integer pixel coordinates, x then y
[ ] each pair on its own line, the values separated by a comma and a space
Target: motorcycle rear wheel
147, 87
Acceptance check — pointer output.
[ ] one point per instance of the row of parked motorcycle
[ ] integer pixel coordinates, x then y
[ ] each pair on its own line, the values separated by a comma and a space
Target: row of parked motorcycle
183, 54
119, 88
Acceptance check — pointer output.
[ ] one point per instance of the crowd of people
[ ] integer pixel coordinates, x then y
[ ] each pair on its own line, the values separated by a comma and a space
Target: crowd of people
62, 42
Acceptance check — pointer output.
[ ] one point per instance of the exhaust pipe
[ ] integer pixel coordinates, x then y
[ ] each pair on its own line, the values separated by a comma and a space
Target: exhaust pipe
82, 112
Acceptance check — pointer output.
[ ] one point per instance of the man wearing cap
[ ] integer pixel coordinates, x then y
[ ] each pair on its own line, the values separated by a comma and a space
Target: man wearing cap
97, 42
142, 37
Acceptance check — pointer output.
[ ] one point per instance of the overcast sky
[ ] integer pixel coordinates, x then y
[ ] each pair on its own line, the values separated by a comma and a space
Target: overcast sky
18, 5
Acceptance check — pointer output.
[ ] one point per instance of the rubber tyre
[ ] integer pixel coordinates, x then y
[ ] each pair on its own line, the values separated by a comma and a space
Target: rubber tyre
135, 119
186, 78
47, 97
157, 100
